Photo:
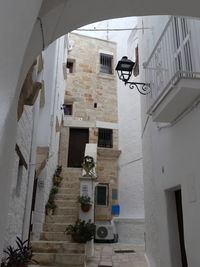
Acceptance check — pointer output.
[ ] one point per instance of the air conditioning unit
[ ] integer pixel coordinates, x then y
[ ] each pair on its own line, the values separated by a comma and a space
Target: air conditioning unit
105, 231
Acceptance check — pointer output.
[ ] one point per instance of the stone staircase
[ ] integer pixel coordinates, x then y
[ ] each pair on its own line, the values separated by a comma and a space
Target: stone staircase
55, 248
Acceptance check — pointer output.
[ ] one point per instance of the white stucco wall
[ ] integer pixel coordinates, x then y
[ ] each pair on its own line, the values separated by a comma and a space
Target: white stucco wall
170, 162
36, 127
19, 181
47, 136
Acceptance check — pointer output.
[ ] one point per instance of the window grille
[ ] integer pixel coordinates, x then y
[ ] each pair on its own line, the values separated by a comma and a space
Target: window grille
67, 109
101, 194
106, 63
105, 138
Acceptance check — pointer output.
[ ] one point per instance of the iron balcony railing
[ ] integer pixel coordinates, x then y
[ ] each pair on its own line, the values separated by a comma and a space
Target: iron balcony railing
176, 55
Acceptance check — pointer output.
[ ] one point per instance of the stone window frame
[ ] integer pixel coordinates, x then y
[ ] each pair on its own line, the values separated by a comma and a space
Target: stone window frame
105, 132
106, 185
65, 106
73, 62
110, 54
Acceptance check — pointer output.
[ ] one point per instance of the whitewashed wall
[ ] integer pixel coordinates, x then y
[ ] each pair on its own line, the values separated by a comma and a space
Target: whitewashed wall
19, 186
170, 161
37, 127
54, 57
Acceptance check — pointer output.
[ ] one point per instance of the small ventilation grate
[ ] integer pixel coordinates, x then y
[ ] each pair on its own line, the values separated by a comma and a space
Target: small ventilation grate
125, 251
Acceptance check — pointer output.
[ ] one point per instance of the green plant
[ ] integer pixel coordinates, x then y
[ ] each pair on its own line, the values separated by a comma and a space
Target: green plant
54, 190
22, 255
58, 170
84, 200
50, 206
57, 180
81, 231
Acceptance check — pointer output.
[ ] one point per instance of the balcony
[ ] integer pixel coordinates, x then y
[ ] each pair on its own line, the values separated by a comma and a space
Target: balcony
173, 70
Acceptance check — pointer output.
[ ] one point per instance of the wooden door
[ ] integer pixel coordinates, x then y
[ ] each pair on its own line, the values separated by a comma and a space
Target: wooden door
78, 138
181, 226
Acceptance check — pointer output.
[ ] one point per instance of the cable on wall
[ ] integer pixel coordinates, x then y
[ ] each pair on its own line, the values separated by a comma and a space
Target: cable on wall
42, 31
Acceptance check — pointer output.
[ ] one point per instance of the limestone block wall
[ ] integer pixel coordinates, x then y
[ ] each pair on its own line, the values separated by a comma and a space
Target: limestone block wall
107, 173
87, 84
93, 96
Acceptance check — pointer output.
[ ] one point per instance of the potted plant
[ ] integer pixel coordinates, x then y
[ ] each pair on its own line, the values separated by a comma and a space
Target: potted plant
57, 180
81, 231
85, 202
18, 257
50, 206
58, 170
54, 190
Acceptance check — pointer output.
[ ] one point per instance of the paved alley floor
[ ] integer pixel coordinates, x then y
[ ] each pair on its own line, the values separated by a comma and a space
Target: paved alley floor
117, 255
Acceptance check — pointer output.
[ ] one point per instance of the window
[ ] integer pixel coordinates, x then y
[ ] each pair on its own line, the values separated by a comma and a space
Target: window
101, 194
70, 67
105, 138
136, 66
67, 109
106, 63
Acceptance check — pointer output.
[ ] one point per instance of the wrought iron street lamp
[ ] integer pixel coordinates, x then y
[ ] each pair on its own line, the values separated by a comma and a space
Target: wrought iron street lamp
124, 69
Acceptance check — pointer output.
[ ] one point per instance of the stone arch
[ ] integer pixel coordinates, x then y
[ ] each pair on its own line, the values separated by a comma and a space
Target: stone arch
22, 40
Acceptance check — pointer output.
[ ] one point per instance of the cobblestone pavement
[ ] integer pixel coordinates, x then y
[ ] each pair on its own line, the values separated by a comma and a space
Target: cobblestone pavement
105, 255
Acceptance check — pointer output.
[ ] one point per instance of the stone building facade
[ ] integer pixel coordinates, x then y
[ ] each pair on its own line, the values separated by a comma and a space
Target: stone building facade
130, 223
91, 104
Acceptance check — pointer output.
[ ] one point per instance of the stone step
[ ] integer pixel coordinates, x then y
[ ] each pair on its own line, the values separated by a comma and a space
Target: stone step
66, 211
59, 259
67, 203
57, 247
54, 236
72, 179
54, 227
71, 265
68, 191
66, 197
71, 172
61, 218
69, 184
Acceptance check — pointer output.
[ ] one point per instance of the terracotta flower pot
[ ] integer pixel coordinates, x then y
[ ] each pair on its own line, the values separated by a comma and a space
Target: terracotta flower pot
85, 208
76, 237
